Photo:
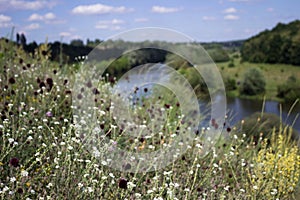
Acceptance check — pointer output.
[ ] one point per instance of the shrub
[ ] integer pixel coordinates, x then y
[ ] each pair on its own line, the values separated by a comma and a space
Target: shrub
253, 83
256, 125
230, 84
231, 64
289, 91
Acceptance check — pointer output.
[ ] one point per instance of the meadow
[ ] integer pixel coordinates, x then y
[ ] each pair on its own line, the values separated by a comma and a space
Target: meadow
274, 75
43, 155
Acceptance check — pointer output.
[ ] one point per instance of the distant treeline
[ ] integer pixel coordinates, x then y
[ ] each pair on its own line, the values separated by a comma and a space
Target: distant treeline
66, 53
279, 45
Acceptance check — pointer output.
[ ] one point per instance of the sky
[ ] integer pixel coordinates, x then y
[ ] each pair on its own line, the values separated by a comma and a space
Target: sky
202, 20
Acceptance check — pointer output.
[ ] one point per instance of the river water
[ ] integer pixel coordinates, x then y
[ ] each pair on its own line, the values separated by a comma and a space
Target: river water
237, 108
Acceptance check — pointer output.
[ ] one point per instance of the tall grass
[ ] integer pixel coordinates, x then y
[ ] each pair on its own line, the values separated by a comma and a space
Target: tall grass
43, 156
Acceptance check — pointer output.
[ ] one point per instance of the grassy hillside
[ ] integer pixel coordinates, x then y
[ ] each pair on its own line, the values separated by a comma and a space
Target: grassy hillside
274, 74
279, 45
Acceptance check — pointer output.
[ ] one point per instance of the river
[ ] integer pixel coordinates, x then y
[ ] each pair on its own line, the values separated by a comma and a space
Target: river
237, 108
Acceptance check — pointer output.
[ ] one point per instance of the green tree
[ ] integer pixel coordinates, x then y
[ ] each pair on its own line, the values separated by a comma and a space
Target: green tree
77, 43
253, 82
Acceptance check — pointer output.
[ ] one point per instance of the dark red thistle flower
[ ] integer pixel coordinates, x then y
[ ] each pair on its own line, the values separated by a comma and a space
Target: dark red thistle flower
68, 92
20, 190
228, 129
216, 126
12, 80
167, 106
127, 166
102, 126
96, 91
49, 81
44, 53
65, 81
145, 89
79, 96
14, 162
42, 84
213, 121
111, 80
89, 84
123, 183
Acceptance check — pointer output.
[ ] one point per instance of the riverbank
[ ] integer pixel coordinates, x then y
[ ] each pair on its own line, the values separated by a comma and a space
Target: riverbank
274, 74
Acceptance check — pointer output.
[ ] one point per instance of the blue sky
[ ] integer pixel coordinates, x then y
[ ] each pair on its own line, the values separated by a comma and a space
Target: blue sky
203, 20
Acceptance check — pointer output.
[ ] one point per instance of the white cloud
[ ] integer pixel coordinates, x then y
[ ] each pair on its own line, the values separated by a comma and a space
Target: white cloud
46, 17
112, 24
5, 21
231, 17
208, 18
35, 17
25, 5
4, 18
32, 26
99, 9
270, 9
141, 20
230, 10
161, 9
49, 16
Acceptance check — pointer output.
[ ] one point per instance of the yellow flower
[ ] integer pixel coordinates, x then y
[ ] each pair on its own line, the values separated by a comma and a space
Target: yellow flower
27, 184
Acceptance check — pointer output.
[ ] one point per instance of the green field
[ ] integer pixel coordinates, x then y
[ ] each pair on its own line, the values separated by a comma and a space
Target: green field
274, 74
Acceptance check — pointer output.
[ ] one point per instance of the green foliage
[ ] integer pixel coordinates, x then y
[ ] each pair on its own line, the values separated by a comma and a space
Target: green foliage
280, 45
119, 67
289, 91
253, 82
177, 62
76, 43
230, 84
231, 64
262, 125
146, 55
218, 54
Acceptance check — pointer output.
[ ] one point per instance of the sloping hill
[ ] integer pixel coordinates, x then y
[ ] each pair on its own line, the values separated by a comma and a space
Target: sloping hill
279, 45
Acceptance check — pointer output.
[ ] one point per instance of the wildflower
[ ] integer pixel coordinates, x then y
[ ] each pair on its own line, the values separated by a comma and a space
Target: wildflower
11, 140
123, 183
24, 173
11, 80
14, 162
80, 185
20, 190
49, 114
90, 189
13, 179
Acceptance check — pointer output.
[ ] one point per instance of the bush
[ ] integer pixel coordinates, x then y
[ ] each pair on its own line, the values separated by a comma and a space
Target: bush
230, 84
218, 55
256, 125
253, 83
289, 91
231, 64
